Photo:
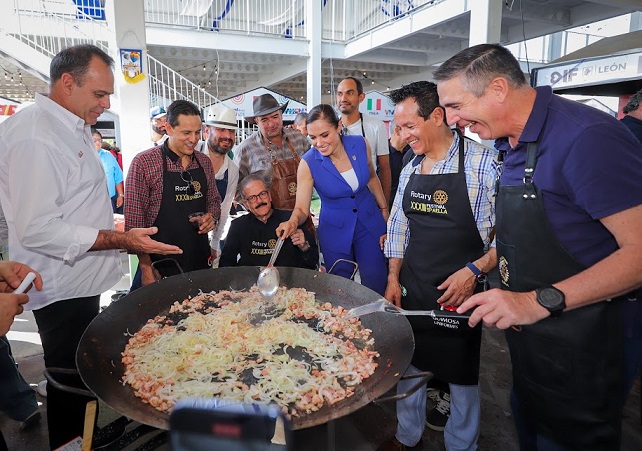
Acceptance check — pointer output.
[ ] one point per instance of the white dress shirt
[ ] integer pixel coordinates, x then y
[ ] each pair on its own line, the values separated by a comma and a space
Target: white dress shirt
376, 136
54, 196
232, 182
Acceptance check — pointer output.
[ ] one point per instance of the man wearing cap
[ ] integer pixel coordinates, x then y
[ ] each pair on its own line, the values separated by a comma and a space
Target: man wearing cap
220, 130
274, 149
167, 186
158, 119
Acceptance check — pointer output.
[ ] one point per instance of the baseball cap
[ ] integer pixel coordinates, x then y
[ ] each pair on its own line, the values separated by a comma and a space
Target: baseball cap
157, 112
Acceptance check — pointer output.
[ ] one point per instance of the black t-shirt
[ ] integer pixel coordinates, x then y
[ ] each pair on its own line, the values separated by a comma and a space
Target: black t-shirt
250, 242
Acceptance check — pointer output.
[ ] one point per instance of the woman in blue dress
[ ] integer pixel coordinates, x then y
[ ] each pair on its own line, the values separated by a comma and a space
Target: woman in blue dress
353, 208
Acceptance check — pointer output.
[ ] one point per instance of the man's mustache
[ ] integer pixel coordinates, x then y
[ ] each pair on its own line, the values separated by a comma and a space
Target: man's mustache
262, 204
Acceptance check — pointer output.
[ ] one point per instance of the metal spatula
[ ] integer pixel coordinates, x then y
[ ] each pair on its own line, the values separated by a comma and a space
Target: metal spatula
385, 306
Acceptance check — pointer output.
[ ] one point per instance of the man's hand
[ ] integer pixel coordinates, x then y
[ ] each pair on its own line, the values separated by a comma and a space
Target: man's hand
120, 200
147, 277
10, 306
503, 309
298, 239
139, 240
12, 274
382, 240
207, 224
459, 286
393, 293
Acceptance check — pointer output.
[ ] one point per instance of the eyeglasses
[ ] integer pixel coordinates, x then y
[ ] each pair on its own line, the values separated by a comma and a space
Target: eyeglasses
344, 130
263, 195
190, 182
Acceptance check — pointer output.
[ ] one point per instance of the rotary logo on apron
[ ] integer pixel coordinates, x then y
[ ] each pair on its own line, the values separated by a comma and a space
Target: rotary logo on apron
429, 203
184, 193
261, 248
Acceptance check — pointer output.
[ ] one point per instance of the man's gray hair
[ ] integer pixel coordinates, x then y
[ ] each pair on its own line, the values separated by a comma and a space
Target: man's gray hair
260, 176
633, 103
479, 65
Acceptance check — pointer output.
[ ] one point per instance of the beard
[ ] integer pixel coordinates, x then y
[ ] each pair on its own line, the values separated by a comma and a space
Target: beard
218, 149
160, 131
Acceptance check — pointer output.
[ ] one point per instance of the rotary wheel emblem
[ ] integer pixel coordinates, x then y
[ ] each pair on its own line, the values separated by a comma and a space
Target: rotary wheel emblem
440, 197
197, 185
272, 243
292, 188
503, 271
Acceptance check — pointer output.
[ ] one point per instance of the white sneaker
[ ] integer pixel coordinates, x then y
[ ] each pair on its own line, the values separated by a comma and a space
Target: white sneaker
41, 388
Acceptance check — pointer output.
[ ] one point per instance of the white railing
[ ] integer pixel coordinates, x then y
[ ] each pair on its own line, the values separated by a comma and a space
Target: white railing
167, 85
275, 17
346, 19
342, 19
52, 25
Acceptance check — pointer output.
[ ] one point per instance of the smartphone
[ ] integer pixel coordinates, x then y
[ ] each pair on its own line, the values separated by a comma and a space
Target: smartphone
215, 424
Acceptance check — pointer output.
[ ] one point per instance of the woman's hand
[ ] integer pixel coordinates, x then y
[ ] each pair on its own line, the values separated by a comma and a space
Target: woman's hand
287, 228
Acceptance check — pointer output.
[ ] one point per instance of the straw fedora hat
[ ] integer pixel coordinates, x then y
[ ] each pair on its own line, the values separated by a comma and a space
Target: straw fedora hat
265, 104
222, 117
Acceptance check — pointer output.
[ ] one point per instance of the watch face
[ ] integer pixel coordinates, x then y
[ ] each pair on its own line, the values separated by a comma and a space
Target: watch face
550, 298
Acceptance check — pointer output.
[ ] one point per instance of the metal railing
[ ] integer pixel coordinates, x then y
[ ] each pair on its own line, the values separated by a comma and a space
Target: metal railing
274, 17
166, 85
52, 25
344, 20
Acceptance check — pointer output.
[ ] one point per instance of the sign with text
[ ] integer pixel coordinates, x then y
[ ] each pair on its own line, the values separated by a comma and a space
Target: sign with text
588, 72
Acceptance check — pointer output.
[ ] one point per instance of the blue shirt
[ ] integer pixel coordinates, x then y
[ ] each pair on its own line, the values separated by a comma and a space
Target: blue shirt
588, 168
112, 171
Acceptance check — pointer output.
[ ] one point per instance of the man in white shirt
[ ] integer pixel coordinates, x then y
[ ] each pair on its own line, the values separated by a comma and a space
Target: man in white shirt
220, 128
54, 195
349, 95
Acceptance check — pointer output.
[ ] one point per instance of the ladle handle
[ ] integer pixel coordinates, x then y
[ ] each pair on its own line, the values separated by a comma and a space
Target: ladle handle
277, 249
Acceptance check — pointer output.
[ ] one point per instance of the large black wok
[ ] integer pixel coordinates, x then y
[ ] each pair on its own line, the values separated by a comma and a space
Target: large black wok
99, 352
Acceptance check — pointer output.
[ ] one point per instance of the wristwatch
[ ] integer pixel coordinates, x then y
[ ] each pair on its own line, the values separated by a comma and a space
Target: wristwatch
551, 299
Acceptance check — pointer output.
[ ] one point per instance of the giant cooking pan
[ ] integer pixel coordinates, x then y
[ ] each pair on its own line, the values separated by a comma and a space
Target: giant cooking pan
99, 354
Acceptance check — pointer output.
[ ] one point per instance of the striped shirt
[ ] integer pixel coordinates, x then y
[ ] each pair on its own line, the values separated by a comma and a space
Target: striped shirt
482, 169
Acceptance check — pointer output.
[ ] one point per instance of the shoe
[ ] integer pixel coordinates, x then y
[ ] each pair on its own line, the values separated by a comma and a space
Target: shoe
437, 418
395, 445
31, 421
41, 388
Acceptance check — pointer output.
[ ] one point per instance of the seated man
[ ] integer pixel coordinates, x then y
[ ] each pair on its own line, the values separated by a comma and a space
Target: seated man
252, 237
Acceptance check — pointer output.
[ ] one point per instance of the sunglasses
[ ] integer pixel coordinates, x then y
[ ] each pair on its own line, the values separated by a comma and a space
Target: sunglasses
190, 182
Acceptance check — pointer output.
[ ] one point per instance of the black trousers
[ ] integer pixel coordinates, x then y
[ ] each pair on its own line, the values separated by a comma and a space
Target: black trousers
61, 326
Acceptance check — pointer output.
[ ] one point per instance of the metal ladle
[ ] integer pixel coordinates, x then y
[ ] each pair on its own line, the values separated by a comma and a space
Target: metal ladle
268, 281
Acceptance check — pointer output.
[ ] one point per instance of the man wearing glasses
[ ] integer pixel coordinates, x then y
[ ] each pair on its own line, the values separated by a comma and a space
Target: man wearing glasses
173, 188
252, 237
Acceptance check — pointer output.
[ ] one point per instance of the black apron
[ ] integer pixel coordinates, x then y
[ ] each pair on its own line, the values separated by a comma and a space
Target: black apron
173, 224
567, 371
443, 238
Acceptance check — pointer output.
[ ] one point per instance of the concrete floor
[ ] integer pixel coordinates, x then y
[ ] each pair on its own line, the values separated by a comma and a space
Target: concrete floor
363, 430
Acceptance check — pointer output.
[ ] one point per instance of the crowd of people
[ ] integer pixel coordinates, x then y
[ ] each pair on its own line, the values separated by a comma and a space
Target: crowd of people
425, 212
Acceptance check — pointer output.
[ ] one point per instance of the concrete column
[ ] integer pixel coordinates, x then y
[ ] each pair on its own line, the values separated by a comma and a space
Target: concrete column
485, 28
313, 34
131, 100
485, 22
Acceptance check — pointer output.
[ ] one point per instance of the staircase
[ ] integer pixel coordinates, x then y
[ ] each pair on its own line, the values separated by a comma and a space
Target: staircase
33, 31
